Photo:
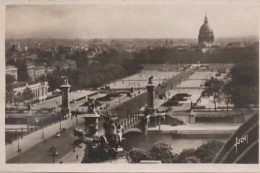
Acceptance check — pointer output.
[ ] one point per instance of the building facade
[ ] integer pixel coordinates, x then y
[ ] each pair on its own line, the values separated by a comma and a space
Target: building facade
11, 70
40, 71
39, 90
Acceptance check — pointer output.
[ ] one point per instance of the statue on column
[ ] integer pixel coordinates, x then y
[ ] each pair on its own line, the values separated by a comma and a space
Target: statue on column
150, 80
101, 148
91, 105
65, 79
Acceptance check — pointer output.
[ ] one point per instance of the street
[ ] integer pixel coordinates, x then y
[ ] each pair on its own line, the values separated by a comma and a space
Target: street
40, 152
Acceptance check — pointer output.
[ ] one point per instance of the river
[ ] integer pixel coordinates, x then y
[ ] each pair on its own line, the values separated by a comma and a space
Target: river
178, 144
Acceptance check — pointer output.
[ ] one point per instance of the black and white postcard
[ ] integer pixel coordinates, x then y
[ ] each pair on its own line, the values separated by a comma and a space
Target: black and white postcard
130, 86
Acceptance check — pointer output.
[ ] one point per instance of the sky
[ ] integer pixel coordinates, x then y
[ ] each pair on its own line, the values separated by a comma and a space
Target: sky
129, 20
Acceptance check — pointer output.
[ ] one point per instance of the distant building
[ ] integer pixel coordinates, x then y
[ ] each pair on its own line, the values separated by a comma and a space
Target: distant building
206, 36
11, 70
235, 45
49, 70
27, 70
40, 71
66, 64
39, 90
30, 68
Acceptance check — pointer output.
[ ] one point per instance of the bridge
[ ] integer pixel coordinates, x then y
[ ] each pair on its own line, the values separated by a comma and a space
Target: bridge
131, 124
117, 90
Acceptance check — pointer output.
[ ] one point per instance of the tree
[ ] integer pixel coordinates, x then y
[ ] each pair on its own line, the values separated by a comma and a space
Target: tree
42, 78
213, 88
22, 73
244, 84
186, 153
163, 151
9, 93
191, 159
28, 94
206, 152
54, 80
135, 155
227, 90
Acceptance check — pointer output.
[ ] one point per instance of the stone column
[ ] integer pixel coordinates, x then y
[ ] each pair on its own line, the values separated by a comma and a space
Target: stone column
150, 96
144, 124
150, 110
65, 109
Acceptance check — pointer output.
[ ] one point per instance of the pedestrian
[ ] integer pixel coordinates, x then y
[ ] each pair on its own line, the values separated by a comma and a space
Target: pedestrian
77, 156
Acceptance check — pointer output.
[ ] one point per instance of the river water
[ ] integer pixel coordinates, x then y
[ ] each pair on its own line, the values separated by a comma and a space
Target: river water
136, 140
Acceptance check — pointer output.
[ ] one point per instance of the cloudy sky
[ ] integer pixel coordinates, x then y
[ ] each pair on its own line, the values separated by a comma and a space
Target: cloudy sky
128, 20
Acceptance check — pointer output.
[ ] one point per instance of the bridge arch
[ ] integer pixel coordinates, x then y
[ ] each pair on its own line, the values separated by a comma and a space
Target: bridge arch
131, 130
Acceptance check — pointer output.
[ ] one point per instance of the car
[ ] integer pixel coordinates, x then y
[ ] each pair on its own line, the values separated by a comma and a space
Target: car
63, 130
57, 135
56, 153
53, 148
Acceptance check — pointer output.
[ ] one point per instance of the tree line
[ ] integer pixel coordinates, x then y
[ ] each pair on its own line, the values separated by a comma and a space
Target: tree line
164, 152
242, 90
164, 55
110, 65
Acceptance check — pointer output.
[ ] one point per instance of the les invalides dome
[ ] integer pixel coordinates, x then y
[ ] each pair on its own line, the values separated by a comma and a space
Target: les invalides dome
206, 36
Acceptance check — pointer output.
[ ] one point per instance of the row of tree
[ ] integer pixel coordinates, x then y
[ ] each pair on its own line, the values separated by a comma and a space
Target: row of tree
164, 152
163, 55
242, 90
111, 65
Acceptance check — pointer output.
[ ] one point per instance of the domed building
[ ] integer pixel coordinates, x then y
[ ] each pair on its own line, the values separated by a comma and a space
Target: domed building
206, 36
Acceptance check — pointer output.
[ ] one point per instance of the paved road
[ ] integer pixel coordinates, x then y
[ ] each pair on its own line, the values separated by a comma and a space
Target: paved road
40, 154
57, 100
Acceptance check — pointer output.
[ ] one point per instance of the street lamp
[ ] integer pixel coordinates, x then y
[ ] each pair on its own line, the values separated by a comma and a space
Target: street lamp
60, 122
54, 154
18, 143
42, 132
22, 133
19, 149
76, 115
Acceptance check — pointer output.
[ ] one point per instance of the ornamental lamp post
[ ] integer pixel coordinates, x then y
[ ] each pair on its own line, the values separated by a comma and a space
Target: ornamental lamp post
60, 121
42, 132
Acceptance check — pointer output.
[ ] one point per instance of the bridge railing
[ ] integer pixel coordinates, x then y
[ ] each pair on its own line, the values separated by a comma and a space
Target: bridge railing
129, 122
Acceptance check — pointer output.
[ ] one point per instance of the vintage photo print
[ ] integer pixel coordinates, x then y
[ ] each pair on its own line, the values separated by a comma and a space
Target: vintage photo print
146, 86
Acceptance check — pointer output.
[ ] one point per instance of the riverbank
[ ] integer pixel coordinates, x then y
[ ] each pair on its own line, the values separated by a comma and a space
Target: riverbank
196, 130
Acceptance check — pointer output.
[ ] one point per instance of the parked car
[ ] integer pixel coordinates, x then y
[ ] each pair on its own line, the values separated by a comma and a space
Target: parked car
53, 148
63, 130
57, 135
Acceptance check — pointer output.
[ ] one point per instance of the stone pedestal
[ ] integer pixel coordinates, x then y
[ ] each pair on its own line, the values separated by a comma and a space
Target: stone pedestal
91, 119
145, 122
191, 117
153, 121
